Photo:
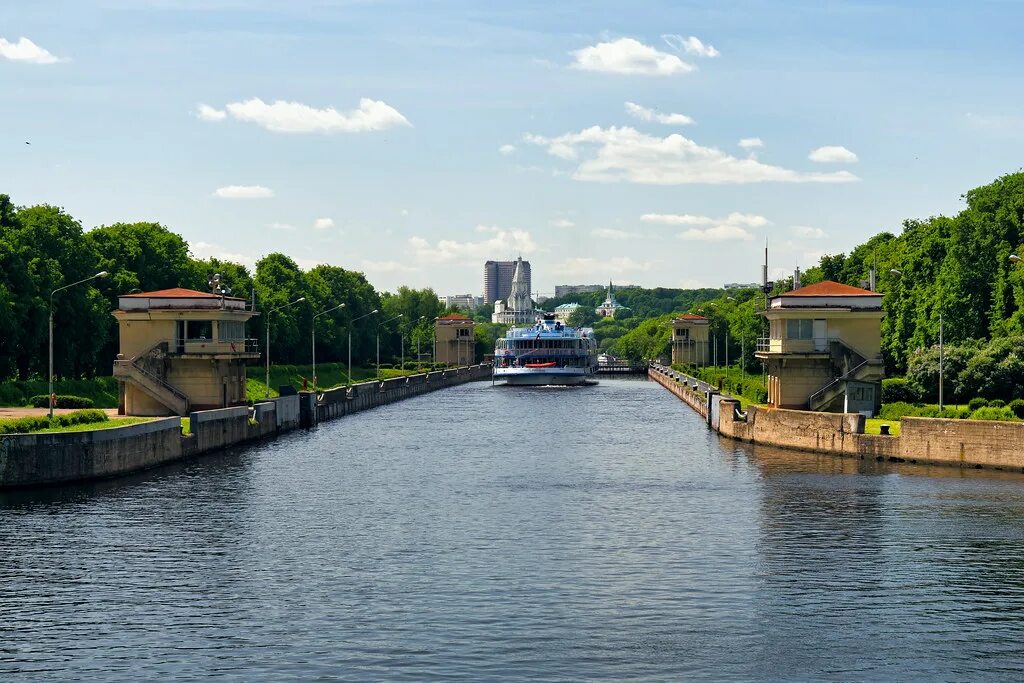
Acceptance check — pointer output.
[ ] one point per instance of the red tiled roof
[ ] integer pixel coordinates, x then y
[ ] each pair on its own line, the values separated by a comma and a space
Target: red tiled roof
453, 316
830, 288
691, 316
175, 293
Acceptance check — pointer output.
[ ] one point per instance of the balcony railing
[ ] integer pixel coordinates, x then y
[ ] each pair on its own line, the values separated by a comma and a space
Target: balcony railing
218, 347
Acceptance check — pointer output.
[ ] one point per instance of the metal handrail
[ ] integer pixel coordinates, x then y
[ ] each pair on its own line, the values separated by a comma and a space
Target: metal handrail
163, 383
836, 381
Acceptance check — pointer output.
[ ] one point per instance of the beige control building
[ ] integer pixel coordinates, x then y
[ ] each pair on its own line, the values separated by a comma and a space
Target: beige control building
823, 351
690, 340
181, 350
454, 340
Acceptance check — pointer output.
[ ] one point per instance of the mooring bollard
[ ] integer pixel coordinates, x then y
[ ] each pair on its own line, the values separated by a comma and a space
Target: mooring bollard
883, 430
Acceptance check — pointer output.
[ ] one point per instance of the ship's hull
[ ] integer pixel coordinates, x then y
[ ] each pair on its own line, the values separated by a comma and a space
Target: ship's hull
544, 376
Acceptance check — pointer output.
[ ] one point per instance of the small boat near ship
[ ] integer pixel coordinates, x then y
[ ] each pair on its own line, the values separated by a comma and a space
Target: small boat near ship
548, 353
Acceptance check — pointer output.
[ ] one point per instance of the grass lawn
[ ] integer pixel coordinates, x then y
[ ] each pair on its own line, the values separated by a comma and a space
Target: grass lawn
330, 375
102, 390
872, 426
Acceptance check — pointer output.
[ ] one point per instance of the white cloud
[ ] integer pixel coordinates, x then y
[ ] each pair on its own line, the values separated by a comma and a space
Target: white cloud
691, 46
26, 51
243, 192
807, 232
280, 226
205, 250
507, 149
626, 155
750, 143
323, 223
599, 269
613, 234
813, 257
718, 233
628, 56
387, 267
501, 243
645, 114
676, 219
562, 223
208, 113
294, 117
832, 155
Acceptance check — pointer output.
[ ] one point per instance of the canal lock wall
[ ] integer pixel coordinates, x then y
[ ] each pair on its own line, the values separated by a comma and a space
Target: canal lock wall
961, 443
28, 460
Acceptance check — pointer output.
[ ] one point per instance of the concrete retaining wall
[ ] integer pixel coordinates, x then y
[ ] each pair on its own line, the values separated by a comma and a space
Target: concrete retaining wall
964, 443
43, 459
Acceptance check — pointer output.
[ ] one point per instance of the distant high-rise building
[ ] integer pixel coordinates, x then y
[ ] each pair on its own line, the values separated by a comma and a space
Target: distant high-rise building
518, 308
498, 279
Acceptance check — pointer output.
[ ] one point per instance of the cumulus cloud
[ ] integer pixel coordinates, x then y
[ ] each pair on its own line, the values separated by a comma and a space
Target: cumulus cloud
645, 114
500, 241
507, 149
243, 192
750, 143
323, 223
208, 113
691, 46
807, 232
281, 116
832, 155
613, 234
596, 268
206, 250
608, 155
628, 56
26, 51
731, 227
562, 223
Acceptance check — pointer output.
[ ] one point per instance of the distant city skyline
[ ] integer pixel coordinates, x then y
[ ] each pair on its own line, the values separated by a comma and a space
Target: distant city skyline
658, 143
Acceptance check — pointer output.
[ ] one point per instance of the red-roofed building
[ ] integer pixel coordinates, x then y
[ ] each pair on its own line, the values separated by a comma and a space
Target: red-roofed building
690, 340
823, 350
181, 350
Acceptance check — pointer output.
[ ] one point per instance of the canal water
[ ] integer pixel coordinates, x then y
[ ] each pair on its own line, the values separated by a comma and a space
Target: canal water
480, 533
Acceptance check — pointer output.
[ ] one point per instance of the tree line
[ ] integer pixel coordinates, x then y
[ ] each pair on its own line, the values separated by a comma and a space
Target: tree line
44, 247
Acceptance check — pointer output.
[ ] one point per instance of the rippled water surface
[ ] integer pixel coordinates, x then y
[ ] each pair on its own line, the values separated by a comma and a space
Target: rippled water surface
481, 533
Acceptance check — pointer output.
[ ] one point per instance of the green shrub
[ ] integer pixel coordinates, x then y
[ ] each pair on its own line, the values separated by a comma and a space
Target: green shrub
992, 413
1017, 407
900, 389
11, 395
63, 401
976, 403
897, 411
997, 403
25, 425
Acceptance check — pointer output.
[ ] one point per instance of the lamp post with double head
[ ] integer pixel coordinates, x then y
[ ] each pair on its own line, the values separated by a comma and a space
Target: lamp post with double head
315, 316
350, 325
269, 313
100, 274
383, 322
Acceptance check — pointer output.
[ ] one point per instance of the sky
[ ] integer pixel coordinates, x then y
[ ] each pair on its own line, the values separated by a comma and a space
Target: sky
652, 143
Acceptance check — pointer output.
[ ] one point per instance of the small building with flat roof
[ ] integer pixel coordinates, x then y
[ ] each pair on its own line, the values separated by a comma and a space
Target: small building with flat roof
824, 349
454, 340
181, 350
690, 339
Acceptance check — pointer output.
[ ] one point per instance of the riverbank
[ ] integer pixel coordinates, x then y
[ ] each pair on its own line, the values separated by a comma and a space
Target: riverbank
29, 460
939, 441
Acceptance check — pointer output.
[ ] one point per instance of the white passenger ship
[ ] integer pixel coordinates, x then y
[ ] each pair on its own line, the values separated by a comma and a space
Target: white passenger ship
549, 353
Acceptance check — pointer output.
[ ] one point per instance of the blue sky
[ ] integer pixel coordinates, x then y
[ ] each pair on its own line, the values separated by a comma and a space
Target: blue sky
414, 140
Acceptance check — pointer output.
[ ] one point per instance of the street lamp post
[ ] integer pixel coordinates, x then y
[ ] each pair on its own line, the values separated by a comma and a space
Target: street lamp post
350, 325
314, 338
418, 321
100, 274
383, 322
290, 303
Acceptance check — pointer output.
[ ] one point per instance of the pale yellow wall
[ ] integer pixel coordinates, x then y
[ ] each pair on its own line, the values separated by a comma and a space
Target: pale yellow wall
862, 331
448, 344
793, 380
696, 353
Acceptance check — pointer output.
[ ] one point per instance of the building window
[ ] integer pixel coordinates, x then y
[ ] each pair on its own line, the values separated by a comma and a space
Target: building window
683, 334
231, 330
799, 329
198, 329
462, 332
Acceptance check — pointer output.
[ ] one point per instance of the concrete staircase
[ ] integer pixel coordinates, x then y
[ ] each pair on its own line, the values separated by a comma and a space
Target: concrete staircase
143, 372
847, 365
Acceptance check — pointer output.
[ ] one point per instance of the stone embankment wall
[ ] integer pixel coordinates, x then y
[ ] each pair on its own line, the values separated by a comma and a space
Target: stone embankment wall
59, 458
964, 443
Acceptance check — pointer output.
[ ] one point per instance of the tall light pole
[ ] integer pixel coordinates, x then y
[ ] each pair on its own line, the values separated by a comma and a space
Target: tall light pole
314, 338
350, 325
418, 321
290, 303
100, 274
383, 322
435, 339
729, 298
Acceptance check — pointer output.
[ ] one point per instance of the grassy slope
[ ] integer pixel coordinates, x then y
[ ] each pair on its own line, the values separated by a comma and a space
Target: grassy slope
102, 391
329, 375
